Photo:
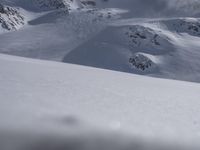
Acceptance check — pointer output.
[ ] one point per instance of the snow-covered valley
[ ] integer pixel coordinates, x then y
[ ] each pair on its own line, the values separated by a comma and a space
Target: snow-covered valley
99, 75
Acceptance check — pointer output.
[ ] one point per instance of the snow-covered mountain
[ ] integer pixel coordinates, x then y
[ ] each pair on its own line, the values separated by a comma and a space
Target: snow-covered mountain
13, 17
166, 48
42, 5
90, 33
70, 4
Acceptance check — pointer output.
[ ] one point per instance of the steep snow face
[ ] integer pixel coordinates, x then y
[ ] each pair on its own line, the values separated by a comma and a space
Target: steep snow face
10, 18
59, 99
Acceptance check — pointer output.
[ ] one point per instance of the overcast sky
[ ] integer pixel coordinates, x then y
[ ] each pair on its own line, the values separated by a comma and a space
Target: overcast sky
155, 8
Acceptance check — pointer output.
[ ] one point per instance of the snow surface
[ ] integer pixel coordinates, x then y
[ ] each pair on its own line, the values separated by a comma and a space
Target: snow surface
59, 98
58, 106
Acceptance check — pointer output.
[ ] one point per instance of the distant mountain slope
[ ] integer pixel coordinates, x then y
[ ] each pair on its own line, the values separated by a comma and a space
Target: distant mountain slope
54, 34
13, 17
41, 5
69, 4
166, 48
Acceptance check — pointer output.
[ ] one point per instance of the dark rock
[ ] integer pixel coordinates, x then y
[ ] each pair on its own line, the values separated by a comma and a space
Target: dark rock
140, 62
2, 9
10, 18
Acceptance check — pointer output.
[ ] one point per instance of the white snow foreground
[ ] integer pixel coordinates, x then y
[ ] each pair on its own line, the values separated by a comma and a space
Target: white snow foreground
54, 106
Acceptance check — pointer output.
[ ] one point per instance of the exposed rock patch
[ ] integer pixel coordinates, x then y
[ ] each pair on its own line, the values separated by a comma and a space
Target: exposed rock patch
141, 62
10, 18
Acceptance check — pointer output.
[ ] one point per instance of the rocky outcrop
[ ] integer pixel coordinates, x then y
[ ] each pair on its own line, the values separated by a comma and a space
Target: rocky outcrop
53, 4
139, 35
188, 25
10, 18
89, 3
68, 4
2, 9
141, 62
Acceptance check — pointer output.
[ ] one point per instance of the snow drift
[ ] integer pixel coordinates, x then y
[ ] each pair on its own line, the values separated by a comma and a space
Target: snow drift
48, 105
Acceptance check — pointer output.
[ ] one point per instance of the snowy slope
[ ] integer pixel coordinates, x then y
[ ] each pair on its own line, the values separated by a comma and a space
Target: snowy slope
167, 48
56, 33
49, 103
105, 37
15, 14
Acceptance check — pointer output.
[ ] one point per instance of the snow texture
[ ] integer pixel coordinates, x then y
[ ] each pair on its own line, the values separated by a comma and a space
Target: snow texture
66, 106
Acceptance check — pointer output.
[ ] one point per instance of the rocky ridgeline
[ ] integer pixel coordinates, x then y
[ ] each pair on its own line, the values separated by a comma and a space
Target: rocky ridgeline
145, 40
68, 4
10, 18
88, 3
139, 36
149, 41
189, 26
46, 4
